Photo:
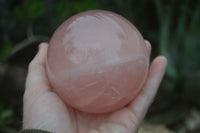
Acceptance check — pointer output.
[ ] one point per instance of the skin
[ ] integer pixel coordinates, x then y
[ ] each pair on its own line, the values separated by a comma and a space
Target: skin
44, 110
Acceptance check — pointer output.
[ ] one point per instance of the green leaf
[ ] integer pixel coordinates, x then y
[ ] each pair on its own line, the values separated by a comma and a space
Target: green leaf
63, 9
84, 5
6, 116
5, 50
30, 9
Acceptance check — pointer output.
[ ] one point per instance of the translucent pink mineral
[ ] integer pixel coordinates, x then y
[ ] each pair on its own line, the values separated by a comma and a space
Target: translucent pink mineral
97, 61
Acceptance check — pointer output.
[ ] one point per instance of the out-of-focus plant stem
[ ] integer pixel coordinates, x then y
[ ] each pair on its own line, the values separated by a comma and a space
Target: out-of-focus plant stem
31, 38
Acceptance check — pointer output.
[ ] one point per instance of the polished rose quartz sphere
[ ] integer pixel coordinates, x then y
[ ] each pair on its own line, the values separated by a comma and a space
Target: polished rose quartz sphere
97, 61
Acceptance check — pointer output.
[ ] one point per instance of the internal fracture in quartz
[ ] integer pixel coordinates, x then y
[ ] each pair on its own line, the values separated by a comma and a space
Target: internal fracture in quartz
97, 61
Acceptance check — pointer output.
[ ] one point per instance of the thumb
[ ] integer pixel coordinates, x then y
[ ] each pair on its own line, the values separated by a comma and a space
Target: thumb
36, 81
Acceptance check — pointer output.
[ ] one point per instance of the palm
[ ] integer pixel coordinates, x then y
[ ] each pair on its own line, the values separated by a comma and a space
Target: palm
44, 110
53, 113
66, 118
118, 121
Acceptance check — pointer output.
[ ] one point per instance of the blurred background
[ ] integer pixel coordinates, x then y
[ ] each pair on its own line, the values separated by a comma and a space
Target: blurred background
172, 27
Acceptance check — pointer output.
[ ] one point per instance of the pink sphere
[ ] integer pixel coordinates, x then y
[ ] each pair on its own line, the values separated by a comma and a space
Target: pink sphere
97, 61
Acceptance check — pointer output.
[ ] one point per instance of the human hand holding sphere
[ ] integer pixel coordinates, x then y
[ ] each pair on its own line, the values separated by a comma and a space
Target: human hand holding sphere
43, 109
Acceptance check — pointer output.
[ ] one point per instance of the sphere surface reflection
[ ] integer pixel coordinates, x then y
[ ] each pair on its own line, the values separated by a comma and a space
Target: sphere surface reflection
97, 61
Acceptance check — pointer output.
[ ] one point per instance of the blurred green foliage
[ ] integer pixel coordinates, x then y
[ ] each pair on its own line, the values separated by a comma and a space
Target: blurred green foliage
66, 8
29, 10
6, 116
5, 50
173, 28
179, 41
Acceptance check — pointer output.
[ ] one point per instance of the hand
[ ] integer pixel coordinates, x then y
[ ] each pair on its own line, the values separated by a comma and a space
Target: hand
44, 110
